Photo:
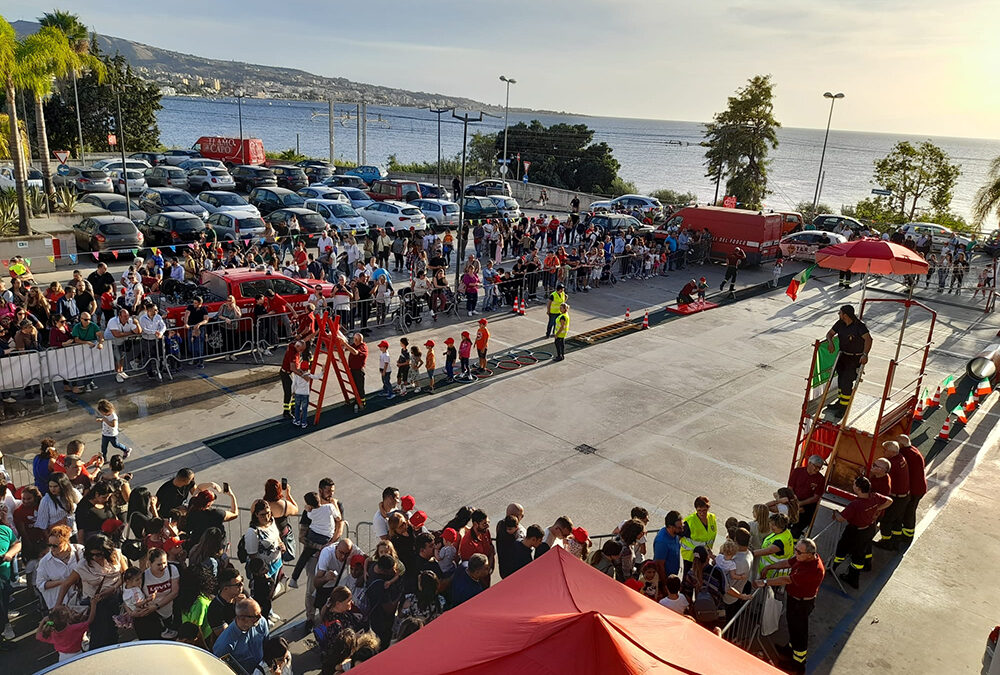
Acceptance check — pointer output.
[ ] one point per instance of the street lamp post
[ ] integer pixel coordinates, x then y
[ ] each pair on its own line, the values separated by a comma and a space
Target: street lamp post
833, 99
239, 107
506, 111
121, 144
439, 112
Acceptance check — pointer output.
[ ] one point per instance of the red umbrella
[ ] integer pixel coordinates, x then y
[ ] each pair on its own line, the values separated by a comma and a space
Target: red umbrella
871, 256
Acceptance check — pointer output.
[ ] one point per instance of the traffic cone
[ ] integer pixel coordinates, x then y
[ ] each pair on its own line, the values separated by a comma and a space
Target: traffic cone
945, 430
645, 320
936, 401
628, 315
516, 308
524, 303
959, 413
970, 403
918, 413
984, 388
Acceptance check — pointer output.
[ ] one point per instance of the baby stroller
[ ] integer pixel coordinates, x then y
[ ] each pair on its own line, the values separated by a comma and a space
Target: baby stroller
409, 305
608, 275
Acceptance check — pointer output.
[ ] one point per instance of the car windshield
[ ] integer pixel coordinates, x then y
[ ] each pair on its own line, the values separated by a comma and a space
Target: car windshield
34, 174
410, 212
117, 228
342, 210
176, 173
292, 200
118, 205
451, 208
177, 199
506, 203
354, 193
263, 173
311, 219
133, 175
219, 172
298, 173
94, 174
230, 199
192, 224
251, 222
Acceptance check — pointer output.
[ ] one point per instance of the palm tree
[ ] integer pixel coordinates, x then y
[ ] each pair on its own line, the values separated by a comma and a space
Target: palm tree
77, 34
988, 196
20, 61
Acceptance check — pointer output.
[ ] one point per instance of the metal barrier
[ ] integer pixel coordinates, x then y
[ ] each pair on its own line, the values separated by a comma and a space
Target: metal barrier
217, 339
23, 371
364, 526
744, 628
18, 470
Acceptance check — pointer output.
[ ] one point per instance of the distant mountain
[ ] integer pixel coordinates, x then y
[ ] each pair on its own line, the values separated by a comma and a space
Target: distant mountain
193, 75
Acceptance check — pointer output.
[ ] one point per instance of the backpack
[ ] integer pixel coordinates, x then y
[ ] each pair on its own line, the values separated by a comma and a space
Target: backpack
705, 608
241, 550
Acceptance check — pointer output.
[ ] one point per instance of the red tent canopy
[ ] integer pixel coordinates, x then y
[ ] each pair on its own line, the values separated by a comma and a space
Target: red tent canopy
872, 256
559, 615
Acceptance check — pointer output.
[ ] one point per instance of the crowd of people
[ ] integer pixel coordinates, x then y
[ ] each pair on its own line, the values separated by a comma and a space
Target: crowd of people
111, 562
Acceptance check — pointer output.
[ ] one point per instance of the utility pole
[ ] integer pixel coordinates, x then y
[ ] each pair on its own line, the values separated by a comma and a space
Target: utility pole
462, 229
79, 124
833, 99
239, 107
438, 112
121, 144
364, 131
330, 102
357, 114
506, 110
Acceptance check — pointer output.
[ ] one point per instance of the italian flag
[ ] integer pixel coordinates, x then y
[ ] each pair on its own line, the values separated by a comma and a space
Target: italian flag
796, 284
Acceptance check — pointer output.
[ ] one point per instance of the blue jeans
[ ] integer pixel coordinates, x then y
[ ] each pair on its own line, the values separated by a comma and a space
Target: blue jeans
197, 346
552, 324
301, 410
110, 440
387, 382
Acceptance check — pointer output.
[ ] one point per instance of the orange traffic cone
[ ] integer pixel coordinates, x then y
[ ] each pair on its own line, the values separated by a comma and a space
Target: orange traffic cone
918, 413
970, 403
645, 320
936, 401
628, 314
516, 309
945, 430
524, 304
984, 388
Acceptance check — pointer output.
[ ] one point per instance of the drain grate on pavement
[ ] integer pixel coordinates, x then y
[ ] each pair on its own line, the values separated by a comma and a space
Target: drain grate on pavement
585, 449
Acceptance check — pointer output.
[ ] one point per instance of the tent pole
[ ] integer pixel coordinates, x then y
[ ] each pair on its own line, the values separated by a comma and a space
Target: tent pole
906, 314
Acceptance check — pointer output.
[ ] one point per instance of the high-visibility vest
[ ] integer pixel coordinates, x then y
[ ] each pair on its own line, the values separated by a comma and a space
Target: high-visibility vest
700, 535
558, 298
788, 544
563, 321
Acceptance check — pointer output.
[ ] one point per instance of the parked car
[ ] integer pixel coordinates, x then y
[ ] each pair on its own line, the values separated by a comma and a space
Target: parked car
991, 245
170, 200
132, 182
323, 192
803, 245
613, 222
339, 215
82, 180
440, 214
485, 188
940, 235
309, 221
172, 228
315, 162
198, 162
151, 158
115, 204
106, 233
368, 173
507, 206
479, 207
111, 165
177, 157
344, 180
209, 178
648, 206
829, 222
393, 215
215, 201
248, 177
397, 190
432, 191
290, 177
359, 199
268, 199
793, 222
316, 173
34, 178
236, 225
166, 176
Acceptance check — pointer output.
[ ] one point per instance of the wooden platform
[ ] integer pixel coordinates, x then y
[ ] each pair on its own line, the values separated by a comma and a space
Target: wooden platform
692, 308
613, 330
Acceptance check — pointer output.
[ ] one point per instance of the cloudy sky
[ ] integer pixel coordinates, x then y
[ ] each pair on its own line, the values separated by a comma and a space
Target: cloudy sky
919, 66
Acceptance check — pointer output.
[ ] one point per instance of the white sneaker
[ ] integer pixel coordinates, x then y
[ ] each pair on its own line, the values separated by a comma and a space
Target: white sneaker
9, 399
8, 632
273, 617
124, 376
120, 377
168, 634
470, 313
267, 352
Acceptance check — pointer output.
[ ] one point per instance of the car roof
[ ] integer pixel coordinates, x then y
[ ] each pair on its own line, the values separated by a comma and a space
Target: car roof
297, 210
826, 232
238, 213
166, 190
284, 166
435, 201
104, 220
217, 192
104, 197
321, 200
179, 215
398, 204
276, 190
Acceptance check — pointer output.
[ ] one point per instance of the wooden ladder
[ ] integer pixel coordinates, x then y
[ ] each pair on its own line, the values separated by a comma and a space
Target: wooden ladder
329, 356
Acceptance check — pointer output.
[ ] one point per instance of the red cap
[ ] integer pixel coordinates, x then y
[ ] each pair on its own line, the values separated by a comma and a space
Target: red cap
418, 519
580, 535
449, 341
170, 544
383, 343
483, 322
110, 525
357, 559
634, 584
449, 535
407, 502
465, 333
429, 343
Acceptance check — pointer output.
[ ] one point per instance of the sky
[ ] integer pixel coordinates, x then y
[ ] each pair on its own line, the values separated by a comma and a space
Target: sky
905, 66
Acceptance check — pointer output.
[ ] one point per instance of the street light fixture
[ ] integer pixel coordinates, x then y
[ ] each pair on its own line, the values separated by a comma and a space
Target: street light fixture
240, 94
833, 99
439, 112
506, 111
121, 146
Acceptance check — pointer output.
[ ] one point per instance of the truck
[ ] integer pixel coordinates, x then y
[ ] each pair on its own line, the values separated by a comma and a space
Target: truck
231, 150
756, 232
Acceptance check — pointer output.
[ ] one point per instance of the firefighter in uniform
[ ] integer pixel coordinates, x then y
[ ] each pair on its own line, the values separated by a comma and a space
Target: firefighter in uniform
918, 486
801, 587
808, 484
892, 521
291, 363
733, 262
881, 484
855, 343
860, 516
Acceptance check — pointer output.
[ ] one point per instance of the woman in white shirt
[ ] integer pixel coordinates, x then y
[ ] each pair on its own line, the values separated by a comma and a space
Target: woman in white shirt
262, 539
58, 507
163, 579
56, 565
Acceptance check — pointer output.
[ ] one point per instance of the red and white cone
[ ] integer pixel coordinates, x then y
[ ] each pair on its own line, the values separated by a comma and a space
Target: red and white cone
918, 413
628, 314
645, 320
524, 303
516, 308
937, 397
945, 430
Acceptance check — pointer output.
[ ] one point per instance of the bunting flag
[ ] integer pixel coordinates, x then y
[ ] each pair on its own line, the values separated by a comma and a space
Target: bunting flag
27, 261
984, 388
949, 384
191, 246
96, 256
6, 263
970, 403
798, 282
155, 250
246, 242
173, 249
72, 257
135, 252
959, 412
114, 252
52, 258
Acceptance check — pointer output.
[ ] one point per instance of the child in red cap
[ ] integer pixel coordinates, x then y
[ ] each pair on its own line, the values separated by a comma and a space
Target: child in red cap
403, 366
482, 343
464, 352
450, 356
702, 287
430, 363
446, 551
578, 544
385, 369
406, 503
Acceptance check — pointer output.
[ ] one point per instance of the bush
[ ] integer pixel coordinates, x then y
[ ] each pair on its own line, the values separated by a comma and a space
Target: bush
671, 197
621, 187
809, 213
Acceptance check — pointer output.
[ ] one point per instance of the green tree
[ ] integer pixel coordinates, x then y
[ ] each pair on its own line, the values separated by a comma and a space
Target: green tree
919, 176
739, 139
809, 213
673, 197
988, 196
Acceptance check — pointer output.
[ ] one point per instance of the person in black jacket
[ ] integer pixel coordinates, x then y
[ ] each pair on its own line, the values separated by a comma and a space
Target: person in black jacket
526, 550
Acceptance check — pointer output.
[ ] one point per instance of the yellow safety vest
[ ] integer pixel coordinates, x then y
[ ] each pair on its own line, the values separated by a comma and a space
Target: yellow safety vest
700, 535
563, 321
557, 300
788, 544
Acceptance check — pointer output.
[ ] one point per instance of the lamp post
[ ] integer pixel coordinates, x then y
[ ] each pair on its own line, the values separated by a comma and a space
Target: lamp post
439, 112
121, 145
506, 110
239, 107
833, 99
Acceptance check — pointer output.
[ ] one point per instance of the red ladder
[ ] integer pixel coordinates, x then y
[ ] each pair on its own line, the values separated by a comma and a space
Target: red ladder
329, 356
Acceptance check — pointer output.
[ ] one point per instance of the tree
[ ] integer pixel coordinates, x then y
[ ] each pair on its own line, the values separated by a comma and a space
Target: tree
738, 140
809, 213
988, 196
673, 197
5, 137
918, 176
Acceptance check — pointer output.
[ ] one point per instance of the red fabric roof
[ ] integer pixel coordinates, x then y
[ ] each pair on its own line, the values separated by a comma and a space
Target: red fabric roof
559, 615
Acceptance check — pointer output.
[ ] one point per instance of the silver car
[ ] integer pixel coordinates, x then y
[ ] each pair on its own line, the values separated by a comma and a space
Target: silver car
82, 180
338, 215
215, 201
166, 176
235, 225
208, 178
440, 213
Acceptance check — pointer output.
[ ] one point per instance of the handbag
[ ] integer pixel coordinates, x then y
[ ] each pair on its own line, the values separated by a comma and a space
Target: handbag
133, 549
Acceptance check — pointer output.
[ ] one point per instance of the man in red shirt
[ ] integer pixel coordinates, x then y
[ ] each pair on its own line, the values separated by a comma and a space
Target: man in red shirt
891, 526
918, 486
686, 296
306, 330
801, 585
277, 305
807, 483
291, 363
733, 262
860, 516
477, 540
356, 358
301, 258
